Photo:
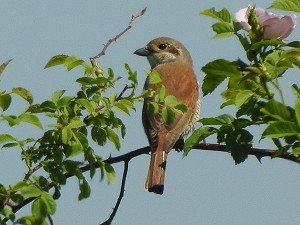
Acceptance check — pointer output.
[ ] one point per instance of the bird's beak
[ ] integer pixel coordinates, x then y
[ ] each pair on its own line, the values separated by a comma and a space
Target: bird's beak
142, 52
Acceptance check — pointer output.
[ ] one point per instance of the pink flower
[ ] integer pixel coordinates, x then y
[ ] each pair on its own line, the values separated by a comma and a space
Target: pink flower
273, 26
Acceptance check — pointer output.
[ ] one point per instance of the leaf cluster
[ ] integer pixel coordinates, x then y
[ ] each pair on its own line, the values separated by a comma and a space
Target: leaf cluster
252, 89
90, 115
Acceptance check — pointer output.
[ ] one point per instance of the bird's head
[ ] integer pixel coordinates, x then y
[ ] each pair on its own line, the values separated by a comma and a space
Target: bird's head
165, 50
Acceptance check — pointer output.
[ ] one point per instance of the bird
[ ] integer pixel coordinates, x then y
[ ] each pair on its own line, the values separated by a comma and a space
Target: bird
173, 62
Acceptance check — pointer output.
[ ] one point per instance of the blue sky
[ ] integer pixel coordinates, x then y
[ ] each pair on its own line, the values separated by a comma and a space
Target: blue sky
205, 188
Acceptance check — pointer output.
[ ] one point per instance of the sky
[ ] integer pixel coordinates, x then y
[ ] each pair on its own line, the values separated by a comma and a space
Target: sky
205, 188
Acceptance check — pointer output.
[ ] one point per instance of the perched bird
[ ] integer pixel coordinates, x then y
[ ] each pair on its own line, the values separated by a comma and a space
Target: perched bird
173, 62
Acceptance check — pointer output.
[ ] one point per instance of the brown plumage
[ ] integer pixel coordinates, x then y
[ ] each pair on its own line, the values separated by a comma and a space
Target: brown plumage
174, 64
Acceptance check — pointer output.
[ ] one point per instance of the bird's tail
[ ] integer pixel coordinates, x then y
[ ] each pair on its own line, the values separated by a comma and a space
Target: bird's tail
156, 173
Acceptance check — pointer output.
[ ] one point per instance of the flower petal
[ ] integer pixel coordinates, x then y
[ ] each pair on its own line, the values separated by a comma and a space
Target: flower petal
242, 17
279, 27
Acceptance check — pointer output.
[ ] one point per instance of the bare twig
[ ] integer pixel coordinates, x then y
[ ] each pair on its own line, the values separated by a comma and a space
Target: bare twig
123, 91
108, 43
121, 195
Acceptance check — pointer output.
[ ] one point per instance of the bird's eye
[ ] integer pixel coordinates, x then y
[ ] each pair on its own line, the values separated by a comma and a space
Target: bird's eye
162, 46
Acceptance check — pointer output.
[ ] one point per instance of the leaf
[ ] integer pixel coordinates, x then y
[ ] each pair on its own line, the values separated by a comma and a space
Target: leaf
72, 61
64, 101
110, 173
223, 15
30, 118
5, 101
223, 30
265, 43
113, 137
131, 75
76, 124
66, 135
56, 96
224, 119
86, 104
276, 110
85, 190
56, 60
25, 94
154, 77
242, 97
122, 108
238, 142
281, 129
288, 5
6, 138
43, 206
30, 191
3, 65
197, 136
152, 108
168, 115
216, 72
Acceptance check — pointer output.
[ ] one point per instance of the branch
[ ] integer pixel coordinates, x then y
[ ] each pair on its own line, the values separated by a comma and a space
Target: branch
121, 195
110, 41
258, 152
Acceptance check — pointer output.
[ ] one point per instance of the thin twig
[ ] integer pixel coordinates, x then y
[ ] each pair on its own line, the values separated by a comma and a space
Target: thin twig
50, 220
123, 91
121, 195
108, 43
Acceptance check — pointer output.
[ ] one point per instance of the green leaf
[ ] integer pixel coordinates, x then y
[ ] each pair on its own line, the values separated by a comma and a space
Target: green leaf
154, 77
122, 108
131, 75
5, 101
276, 110
25, 94
168, 115
85, 189
238, 143
152, 108
30, 191
281, 129
197, 136
72, 61
110, 173
181, 108
243, 97
216, 72
223, 15
224, 119
76, 124
3, 65
223, 30
30, 118
56, 96
66, 135
113, 137
64, 101
6, 138
7, 214
12, 120
288, 5
56, 60
265, 43
86, 104
43, 206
